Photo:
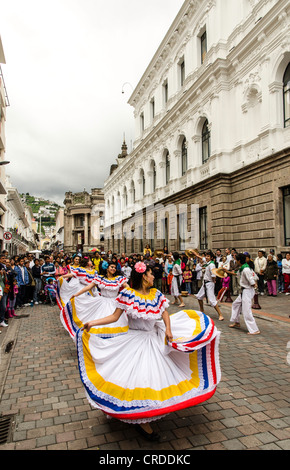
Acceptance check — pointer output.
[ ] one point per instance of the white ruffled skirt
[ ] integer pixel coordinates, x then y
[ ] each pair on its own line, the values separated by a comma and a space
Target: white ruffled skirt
175, 289
137, 377
76, 312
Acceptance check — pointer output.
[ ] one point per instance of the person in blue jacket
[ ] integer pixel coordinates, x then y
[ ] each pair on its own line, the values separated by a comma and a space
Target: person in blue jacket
22, 279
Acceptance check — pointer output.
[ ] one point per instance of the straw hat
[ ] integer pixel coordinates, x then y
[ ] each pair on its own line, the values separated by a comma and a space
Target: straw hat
189, 253
159, 253
184, 293
219, 272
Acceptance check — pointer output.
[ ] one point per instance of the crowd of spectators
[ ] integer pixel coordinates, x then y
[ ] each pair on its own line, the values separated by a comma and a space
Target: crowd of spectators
27, 280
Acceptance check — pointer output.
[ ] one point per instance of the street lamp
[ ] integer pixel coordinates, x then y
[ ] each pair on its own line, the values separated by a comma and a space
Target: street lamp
127, 83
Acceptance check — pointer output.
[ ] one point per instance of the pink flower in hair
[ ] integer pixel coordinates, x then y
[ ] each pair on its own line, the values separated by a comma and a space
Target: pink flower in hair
140, 267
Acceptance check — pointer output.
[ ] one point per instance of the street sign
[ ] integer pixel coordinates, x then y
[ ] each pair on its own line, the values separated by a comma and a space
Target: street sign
7, 236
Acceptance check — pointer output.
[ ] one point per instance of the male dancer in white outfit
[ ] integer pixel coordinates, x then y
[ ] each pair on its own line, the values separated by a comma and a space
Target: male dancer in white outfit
243, 303
208, 284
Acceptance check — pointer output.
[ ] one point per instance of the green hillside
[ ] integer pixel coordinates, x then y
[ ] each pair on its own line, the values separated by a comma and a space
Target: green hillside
36, 204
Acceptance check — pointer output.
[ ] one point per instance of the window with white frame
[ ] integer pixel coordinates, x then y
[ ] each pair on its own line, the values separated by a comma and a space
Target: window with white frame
286, 96
152, 107
165, 92
142, 122
184, 162
182, 229
206, 142
150, 234
203, 228
203, 46
167, 168
181, 70
286, 213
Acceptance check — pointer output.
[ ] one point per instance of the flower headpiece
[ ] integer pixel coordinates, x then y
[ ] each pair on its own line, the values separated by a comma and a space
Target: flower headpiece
140, 267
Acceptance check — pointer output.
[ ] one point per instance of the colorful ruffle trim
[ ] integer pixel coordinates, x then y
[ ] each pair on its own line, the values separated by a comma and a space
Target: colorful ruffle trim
142, 306
149, 409
103, 282
72, 323
196, 341
84, 274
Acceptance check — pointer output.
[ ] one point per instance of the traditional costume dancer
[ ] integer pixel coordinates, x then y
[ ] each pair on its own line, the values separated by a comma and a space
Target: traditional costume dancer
83, 306
243, 304
81, 274
208, 285
176, 280
161, 365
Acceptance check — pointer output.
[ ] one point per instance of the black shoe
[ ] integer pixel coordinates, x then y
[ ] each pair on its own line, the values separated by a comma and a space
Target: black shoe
153, 436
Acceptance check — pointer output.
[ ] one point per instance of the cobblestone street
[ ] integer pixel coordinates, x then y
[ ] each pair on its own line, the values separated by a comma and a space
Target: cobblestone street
41, 389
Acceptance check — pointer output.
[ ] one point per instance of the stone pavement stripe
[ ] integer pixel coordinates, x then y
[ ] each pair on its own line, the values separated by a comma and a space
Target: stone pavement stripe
260, 313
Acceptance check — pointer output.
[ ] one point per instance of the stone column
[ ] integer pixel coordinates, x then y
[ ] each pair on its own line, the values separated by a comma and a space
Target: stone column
86, 244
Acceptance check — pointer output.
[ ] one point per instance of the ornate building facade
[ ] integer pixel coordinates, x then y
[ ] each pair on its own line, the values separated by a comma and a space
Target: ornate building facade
4, 102
84, 221
210, 166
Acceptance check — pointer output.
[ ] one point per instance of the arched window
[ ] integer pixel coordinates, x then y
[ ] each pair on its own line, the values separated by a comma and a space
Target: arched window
286, 87
205, 142
167, 168
184, 157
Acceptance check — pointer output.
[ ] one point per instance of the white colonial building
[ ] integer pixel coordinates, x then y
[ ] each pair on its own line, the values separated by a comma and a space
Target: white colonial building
18, 223
57, 242
212, 135
83, 221
3, 106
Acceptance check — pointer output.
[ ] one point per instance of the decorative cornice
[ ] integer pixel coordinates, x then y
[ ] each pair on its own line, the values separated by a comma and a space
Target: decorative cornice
177, 30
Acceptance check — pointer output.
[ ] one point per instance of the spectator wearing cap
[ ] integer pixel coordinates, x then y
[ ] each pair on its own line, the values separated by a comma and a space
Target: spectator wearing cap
249, 260
272, 252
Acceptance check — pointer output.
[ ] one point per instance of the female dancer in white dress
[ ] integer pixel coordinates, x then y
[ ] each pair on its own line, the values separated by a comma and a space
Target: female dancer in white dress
176, 281
81, 274
83, 306
161, 365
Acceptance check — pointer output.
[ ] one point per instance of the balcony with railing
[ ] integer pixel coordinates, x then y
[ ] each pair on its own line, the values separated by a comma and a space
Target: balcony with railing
3, 90
2, 136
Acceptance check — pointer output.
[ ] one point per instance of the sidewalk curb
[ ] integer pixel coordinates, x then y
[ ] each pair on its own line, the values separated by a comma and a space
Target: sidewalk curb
5, 359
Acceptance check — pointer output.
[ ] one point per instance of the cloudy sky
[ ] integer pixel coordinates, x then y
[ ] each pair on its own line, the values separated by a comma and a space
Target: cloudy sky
66, 64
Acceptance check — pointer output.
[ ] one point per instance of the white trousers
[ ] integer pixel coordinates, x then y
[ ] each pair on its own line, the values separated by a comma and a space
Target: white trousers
243, 304
210, 293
